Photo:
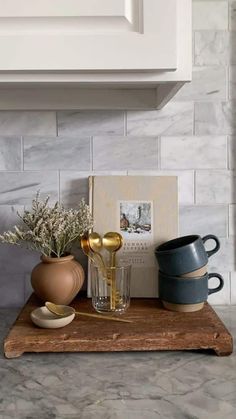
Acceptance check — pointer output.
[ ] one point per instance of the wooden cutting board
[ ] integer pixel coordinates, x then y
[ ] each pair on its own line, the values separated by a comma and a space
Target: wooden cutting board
153, 329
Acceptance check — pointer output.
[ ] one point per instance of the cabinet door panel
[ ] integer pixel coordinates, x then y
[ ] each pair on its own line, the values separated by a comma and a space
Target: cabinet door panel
35, 8
80, 35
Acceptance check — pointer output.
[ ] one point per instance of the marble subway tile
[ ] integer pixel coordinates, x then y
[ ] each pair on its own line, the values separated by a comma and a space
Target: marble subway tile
8, 216
215, 187
208, 83
12, 290
87, 123
19, 188
185, 182
210, 15
16, 266
232, 15
194, 152
224, 260
27, 123
204, 220
211, 48
10, 153
232, 41
75, 185
222, 296
121, 153
217, 118
15, 277
54, 153
232, 82
227, 315
17, 259
232, 152
232, 220
176, 118
233, 287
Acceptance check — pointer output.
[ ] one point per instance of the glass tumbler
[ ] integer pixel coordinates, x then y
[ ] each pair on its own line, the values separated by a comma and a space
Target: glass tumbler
111, 289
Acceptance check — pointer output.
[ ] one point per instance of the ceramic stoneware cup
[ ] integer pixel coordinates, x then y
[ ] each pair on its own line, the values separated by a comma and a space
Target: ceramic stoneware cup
183, 308
185, 254
190, 292
198, 273
186, 308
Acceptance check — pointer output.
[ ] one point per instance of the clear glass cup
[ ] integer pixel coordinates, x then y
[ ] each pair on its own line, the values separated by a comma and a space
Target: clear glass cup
111, 289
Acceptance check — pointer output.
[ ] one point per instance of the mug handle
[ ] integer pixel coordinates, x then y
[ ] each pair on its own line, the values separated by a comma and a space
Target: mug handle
216, 248
220, 286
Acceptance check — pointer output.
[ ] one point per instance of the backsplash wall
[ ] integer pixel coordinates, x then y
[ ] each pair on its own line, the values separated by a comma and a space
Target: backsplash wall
192, 137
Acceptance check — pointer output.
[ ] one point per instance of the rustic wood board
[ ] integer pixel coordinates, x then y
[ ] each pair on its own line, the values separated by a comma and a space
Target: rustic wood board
153, 329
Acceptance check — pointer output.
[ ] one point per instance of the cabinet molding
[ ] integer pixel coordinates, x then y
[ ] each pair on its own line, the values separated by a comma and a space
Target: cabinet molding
90, 50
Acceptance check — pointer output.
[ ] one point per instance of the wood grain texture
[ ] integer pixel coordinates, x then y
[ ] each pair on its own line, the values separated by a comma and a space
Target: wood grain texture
153, 329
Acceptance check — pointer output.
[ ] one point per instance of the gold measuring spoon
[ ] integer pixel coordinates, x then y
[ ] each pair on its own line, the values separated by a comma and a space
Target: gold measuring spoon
112, 242
85, 247
64, 311
95, 244
92, 256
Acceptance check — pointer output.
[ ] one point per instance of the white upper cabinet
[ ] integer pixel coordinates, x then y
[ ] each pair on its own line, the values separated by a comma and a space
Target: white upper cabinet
88, 35
97, 43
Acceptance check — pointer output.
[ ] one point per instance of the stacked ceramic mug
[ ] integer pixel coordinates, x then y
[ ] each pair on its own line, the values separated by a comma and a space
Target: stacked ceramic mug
183, 276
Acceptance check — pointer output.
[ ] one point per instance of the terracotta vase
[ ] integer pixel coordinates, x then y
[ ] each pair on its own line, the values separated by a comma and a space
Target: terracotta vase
57, 279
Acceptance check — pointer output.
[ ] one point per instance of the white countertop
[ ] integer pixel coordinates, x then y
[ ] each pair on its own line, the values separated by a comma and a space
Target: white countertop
141, 385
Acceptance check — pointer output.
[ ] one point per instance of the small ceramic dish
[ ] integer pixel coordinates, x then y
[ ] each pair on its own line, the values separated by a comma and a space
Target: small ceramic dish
42, 317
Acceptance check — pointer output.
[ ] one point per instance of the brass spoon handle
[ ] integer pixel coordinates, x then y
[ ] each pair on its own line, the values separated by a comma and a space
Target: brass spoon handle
96, 260
104, 317
95, 257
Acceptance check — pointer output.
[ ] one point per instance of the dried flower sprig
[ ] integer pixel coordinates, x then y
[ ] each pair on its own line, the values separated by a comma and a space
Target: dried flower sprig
50, 230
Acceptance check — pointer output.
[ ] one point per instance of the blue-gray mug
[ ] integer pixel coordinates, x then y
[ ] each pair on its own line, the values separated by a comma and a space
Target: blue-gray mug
174, 289
184, 254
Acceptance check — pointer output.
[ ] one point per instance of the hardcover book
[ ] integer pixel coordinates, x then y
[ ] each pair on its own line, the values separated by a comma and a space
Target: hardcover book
144, 210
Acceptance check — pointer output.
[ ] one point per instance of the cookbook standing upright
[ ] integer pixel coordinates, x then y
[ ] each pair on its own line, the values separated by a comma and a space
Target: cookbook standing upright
144, 209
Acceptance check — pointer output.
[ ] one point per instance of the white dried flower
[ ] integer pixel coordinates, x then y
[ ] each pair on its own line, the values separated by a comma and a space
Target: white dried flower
50, 230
